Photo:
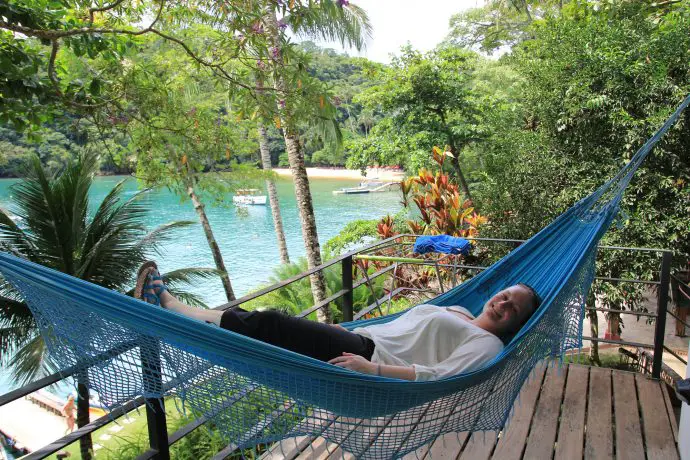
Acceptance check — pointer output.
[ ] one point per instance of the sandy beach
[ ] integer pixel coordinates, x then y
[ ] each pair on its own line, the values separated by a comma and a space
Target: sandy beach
382, 174
31, 425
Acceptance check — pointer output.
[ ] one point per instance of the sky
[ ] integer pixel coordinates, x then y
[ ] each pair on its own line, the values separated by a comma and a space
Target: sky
424, 23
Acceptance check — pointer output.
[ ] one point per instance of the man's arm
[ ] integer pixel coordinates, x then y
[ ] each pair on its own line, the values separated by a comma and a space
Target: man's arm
398, 372
361, 364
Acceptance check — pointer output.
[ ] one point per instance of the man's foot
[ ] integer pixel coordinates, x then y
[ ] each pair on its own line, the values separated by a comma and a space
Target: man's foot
151, 292
142, 275
155, 290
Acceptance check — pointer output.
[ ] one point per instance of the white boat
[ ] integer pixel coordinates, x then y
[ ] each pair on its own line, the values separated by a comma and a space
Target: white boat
368, 186
249, 196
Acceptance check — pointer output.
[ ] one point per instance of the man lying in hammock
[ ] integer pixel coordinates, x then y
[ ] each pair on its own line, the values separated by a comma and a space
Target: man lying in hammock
426, 343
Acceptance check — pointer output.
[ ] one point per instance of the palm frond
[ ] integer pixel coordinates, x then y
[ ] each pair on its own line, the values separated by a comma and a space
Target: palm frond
111, 250
189, 298
190, 275
16, 323
161, 234
330, 22
31, 360
36, 205
14, 240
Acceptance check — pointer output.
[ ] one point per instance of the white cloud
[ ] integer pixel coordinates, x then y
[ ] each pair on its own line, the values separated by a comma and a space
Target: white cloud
423, 23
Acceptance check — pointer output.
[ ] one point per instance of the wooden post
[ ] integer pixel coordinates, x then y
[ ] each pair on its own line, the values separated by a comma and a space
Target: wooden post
85, 442
348, 298
659, 331
155, 407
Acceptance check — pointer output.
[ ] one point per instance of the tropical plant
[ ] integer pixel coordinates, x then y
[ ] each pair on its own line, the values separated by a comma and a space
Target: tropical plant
297, 297
430, 98
598, 80
441, 209
330, 20
51, 222
499, 23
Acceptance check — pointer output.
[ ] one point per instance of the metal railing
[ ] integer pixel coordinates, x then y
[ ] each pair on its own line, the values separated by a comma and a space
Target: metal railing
159, 439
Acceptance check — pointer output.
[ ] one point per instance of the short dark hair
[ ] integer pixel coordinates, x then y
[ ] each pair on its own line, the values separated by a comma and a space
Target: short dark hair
536, 299
536, 302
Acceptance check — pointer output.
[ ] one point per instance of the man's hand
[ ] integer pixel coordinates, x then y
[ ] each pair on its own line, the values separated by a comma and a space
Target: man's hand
355, 363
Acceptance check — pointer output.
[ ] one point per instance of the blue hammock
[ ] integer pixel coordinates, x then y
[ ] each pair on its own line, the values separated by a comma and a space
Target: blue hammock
254, 392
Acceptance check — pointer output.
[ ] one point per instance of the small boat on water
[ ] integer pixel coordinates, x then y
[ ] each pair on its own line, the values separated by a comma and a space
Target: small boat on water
249, 196
367, 186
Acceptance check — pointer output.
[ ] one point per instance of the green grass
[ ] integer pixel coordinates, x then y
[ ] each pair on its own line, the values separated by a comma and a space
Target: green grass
609, 359
131, 440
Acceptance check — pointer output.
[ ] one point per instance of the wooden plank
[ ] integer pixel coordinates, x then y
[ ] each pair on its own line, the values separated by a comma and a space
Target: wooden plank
669, 411
287, 449
571, 432
446, 446
542, 438
314, 449
512, 441
599, 435
406, 425
656, 426
480, 446
628, 432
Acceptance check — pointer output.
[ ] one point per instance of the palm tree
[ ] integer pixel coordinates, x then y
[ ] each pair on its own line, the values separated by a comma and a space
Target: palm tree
273, 195
57, 229
328, 20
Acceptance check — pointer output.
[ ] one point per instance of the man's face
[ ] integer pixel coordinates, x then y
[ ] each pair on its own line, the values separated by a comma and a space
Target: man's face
509, 308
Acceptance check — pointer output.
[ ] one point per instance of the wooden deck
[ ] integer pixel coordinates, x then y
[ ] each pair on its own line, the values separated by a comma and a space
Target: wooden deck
569, 413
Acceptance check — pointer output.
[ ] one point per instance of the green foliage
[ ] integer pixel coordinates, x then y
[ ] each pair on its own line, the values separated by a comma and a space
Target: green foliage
598, 80
49, 222
59, 142
354, 234
430, 101
441, 209
297, 297
499, 23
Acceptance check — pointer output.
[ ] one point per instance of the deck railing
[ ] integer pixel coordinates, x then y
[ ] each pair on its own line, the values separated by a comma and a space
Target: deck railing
159, 439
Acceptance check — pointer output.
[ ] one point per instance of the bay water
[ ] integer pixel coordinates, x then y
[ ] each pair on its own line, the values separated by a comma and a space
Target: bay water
246, 237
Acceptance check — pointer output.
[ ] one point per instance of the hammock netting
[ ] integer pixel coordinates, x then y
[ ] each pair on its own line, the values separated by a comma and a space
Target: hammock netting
253, 392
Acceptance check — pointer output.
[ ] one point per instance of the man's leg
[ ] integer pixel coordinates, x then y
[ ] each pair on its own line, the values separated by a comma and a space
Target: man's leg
318, 340
208, 316
311, 338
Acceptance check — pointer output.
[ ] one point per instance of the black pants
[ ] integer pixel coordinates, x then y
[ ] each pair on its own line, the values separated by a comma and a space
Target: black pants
310, 338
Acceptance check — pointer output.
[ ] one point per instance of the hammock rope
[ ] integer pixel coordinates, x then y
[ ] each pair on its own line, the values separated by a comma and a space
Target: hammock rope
254, 392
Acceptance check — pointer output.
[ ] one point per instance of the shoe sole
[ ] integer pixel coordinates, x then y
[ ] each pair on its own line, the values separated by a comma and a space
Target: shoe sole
143, 272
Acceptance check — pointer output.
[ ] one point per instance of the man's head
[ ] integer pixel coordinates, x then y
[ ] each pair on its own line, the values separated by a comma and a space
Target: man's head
508, 310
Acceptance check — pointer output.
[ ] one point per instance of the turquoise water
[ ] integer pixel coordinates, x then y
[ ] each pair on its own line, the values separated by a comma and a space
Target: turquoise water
247, 240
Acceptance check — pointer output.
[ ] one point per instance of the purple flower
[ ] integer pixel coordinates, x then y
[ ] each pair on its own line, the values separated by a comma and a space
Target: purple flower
282, 24
279, 3
257, 28
342, 3
275, 52
260, 64
281, 104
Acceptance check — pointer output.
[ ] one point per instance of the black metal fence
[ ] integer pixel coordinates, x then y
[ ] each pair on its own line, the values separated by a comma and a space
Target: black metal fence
159, 439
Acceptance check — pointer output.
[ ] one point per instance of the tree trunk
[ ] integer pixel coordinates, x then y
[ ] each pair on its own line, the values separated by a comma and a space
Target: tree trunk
307, 221
273, 195
85, 443
593, 330
455, 161
215, 250
299, 170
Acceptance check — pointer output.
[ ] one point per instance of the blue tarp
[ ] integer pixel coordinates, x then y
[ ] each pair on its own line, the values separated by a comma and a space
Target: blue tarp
442, 243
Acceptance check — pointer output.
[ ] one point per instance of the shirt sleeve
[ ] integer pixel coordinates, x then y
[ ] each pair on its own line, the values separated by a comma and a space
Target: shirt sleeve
465, 358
